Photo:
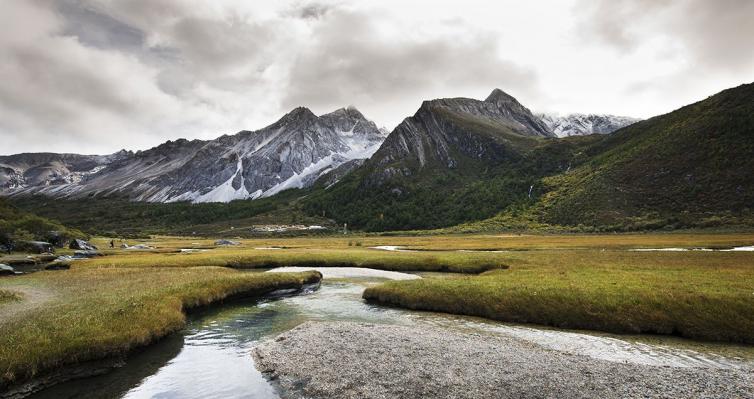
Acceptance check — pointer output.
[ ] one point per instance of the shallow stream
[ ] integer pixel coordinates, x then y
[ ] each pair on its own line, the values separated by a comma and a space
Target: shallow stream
211, 358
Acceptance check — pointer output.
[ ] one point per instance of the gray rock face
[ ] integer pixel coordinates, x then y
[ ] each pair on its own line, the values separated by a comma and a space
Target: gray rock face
443, 129
291, 153
49, 169
584, 124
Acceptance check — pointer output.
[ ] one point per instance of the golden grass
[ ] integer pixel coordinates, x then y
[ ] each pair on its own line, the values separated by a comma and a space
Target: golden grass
9, 296
97, 312
109, 305
703, 295
249, 258
479, 242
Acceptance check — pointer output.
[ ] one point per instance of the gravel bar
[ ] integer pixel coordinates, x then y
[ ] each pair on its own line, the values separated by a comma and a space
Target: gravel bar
357, 360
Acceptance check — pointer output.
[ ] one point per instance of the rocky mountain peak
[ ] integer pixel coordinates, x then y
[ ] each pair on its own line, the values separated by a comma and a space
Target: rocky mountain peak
299, 113
499, 96
347, 112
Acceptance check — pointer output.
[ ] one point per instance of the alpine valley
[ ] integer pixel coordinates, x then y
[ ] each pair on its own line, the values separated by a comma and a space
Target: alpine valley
478, 165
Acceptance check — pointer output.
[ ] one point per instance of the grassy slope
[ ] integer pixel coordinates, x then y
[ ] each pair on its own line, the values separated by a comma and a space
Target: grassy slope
97, 312
691, 167
705, 295
686, 169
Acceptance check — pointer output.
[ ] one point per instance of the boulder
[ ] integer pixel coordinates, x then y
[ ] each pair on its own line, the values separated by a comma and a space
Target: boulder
6, 270
39, 247
82, 245
56, 239
227, 242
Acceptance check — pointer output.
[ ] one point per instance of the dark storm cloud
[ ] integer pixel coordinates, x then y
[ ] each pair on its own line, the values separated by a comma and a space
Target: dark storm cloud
716, 33
347, 60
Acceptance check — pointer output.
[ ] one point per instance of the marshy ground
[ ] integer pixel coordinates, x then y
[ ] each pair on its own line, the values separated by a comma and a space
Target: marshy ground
109, 305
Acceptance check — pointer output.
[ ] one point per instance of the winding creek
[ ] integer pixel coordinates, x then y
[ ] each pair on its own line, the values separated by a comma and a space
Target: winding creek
211, 358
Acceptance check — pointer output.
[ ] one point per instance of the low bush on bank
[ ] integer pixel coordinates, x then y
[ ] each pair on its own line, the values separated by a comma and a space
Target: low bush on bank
93, 313
701, 295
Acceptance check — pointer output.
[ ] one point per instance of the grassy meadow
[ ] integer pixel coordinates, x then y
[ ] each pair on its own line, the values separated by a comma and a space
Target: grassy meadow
88, 313
111, 304
696, 294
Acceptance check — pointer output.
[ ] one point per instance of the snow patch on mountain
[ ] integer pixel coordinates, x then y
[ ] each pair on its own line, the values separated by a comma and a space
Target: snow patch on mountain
585, 124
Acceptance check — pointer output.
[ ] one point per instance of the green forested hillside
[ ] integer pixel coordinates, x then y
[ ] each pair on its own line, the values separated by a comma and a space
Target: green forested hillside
121, 217
458, 167
689, 168
17, 225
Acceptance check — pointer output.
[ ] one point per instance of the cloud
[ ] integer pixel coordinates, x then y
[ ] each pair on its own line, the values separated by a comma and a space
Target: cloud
77, 74
712, 33
349, 59
100, 75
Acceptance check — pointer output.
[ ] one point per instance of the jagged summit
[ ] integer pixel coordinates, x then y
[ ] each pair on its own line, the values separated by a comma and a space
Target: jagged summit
299, 113
349, 111
498, 95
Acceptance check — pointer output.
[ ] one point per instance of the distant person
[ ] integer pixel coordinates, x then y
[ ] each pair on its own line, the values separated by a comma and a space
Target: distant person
112, 243
9, 247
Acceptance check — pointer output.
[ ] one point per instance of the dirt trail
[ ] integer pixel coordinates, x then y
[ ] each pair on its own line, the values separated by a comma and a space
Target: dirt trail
32, 298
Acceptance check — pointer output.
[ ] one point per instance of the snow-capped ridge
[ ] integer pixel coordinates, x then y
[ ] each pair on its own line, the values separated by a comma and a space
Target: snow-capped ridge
576, 124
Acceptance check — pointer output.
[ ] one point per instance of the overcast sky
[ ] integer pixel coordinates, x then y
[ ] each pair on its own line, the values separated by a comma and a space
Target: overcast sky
95, 76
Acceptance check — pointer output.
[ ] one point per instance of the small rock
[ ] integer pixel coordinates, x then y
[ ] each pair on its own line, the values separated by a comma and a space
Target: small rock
6, 270
227, 242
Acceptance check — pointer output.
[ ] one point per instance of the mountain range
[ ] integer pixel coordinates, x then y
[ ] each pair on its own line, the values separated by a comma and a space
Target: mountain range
459, 160
583, 124
291, 153
488, 163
